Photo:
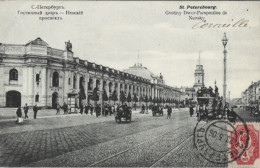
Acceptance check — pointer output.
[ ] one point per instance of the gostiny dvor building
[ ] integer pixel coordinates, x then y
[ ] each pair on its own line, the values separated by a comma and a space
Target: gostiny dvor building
35, 73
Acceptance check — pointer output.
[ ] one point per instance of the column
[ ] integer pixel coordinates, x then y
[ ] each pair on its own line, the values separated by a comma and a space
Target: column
43, 96
94, 80
131, 90
107, 88
101, 89
86, 87
30, 87
127, 90
118, 90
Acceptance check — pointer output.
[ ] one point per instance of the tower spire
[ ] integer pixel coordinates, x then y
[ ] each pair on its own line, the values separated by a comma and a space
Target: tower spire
199, 57
138, 58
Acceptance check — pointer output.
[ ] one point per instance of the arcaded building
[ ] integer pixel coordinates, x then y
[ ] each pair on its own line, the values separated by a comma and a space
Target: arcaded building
35, 73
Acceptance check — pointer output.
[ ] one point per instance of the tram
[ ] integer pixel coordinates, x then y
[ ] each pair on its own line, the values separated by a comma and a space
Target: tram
209, 105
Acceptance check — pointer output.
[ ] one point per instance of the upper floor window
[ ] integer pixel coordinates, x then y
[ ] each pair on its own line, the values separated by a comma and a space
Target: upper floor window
13, 74
69, 82
74, 81
55, 79
198, 81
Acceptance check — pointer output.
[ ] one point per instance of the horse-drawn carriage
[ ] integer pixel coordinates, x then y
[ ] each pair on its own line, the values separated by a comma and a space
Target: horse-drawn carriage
123, 112
157, 109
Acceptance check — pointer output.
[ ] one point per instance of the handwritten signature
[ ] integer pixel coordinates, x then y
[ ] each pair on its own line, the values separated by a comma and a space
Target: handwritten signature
203, 24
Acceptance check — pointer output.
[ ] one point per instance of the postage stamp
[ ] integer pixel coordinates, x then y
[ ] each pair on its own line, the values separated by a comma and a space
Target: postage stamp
250, 156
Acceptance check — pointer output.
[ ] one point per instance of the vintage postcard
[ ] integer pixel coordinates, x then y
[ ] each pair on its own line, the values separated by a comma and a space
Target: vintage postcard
129, 84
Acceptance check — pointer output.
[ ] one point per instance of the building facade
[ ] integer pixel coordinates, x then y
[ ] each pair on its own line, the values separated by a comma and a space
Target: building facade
251, 96
35, 73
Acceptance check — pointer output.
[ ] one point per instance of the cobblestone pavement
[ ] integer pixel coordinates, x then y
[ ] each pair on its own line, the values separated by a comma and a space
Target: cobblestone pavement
24, 147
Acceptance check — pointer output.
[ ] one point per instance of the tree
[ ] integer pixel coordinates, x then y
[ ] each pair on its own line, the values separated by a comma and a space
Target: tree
95, 96
150, 99
154, 100
82, 95
129, 98
135, 99
122, 97
114, 97
104, 96
146, 100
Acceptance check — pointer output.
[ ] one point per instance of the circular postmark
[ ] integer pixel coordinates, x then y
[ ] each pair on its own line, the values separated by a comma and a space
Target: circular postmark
219, 141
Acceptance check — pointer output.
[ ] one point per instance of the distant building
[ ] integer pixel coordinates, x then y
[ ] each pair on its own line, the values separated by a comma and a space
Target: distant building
190, 93
251, 96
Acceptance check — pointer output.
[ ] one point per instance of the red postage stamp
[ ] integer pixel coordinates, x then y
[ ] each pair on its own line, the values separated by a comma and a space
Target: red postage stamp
247, 139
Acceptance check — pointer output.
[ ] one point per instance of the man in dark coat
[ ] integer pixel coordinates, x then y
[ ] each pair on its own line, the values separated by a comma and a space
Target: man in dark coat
19, 112
98, 110
35, 110
25, 108
86, 109
65, 108
191, 111
169, 112
81, 109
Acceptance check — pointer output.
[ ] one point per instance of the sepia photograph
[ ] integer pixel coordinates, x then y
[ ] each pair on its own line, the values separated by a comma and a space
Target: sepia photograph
129, 84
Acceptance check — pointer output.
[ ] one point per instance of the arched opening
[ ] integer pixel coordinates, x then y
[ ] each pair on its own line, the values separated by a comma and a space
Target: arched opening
55, 79
13, 74
90, 84
121, 87
98, 84
54, 99
13, 99
82, 94
37, 98
110, 88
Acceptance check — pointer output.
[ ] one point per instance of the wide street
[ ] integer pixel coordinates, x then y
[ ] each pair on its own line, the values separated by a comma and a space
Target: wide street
84, 140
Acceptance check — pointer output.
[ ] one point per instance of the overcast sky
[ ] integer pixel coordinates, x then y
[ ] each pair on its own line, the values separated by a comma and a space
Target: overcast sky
111, 33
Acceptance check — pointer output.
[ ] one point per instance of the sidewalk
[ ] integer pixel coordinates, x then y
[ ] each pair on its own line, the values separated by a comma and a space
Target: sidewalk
9, 114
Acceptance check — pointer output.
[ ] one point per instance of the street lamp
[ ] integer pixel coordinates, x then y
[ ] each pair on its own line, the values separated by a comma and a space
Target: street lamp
224, 42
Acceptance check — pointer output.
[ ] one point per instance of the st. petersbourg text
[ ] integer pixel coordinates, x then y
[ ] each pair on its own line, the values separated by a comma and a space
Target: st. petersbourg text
200, 7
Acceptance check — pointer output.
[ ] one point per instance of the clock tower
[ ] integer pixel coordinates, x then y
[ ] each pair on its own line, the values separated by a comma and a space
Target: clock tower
199, 76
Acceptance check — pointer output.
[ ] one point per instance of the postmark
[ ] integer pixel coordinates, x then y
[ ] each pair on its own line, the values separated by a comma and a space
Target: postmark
219, 141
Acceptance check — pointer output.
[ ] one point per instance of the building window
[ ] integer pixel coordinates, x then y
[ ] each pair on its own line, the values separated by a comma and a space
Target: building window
13, 74
198, 81
37, 98
74, 82
55, 79
69, 81
37, 79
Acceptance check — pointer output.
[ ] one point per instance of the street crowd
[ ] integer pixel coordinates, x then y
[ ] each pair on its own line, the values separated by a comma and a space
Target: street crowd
105, 110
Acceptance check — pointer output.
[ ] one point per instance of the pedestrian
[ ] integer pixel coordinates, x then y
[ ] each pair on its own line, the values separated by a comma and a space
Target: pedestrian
98, 110
35, 110
86, 109
110, 109
58, 109
191, 111
81, 109
65, 108
25, 108
91, 109
19, 115
169, 112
